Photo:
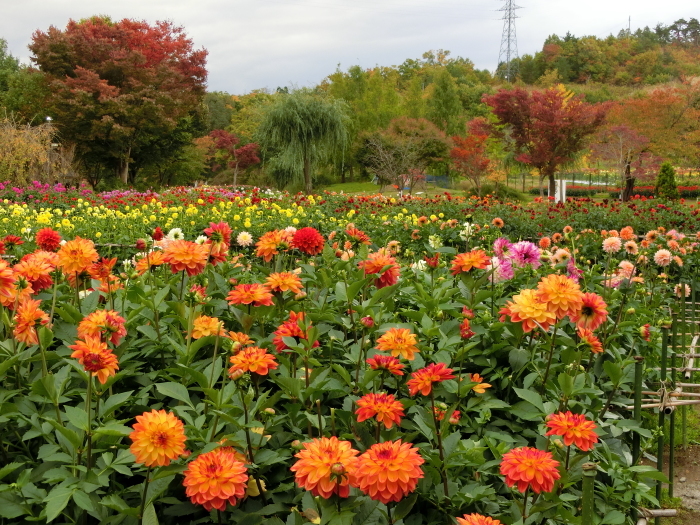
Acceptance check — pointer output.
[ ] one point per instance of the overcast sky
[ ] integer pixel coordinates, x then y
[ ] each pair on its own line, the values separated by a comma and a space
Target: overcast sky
271, 43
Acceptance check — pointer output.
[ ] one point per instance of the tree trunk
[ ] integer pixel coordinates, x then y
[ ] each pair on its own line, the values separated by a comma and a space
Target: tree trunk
235, 175
552, 184
628, 189
307, 175
123, 171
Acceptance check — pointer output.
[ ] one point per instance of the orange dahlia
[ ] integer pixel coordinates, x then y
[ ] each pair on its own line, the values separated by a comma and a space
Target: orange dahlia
574, 428
325, 467
476, 519
284, 282
480, 387
256, 294
216, 478
107, 325
530, 467
399, 342
8, 278
48, 239
27, 317
589, 339
308, 240
422, 380
205, 326
290, 328
270, 244
253, 359
186, 256
464, 262
388, 471
238, 340
561, 294
593, 312
76, 255
102, 269
96, 357
158, 438
36, 270
526, 308
356, 235
150, 261
375, 264
384, 406
386, 362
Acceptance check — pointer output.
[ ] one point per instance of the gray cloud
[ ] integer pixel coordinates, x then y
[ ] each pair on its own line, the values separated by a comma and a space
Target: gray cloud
255, 44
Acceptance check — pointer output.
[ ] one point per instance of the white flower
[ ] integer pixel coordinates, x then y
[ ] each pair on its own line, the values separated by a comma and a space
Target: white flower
419, 265
82, 294
435, 242
467, 231
201, 239
175, 234
244, 239
290, 229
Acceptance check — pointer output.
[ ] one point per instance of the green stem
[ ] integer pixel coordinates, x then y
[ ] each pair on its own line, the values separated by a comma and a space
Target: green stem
549, 361
88, 403
438, 435
250, 447
143, 496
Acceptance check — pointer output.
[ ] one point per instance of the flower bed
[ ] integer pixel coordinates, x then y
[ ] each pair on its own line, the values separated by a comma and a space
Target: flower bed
297, 375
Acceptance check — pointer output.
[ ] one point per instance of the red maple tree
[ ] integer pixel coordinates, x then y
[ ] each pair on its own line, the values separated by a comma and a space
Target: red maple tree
547, 128
469, 153
121, 91
225, 153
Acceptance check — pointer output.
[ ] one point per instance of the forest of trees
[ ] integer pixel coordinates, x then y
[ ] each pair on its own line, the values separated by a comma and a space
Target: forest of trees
126, 105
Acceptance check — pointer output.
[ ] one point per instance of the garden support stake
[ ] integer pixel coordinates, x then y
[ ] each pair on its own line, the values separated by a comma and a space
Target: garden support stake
672, 432
588, 502
638, 372
660, 448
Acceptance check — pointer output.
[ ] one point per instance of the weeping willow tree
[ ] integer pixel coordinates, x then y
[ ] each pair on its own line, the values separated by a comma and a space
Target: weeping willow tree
302, 129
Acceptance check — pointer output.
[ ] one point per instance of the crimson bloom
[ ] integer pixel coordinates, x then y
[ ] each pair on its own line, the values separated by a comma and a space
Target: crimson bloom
308, 240
48, 239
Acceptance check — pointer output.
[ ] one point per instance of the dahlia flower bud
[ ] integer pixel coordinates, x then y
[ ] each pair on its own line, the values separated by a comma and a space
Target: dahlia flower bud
630, 311
367, 321
236, 374
338, 469
140, 244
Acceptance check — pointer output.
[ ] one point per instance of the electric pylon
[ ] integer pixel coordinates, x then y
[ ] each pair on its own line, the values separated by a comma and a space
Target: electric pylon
509, 42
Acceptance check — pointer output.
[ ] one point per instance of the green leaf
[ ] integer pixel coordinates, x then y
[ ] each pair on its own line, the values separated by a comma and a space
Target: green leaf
114, 401
404, 507
566, 383
83, 501
7, 364
149, 516
614, 517
77, 417
56, 501
614, 371
148, 331
114, 502
9, 469
176, 391
531, 397
45, 337
113, 429
71, 436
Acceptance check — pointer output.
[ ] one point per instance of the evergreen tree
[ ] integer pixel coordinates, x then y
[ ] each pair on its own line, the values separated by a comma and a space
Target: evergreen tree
666, 182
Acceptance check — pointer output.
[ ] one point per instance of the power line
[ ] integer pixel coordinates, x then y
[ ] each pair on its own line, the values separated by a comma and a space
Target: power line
509, 42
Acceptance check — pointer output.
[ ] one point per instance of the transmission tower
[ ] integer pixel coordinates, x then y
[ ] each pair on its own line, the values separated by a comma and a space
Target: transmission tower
509, 42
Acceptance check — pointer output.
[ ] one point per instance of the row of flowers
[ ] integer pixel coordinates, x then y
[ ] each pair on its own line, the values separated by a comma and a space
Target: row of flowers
432, 374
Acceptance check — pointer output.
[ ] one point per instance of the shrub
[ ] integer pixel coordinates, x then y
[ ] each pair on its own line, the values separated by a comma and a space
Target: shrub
666, 182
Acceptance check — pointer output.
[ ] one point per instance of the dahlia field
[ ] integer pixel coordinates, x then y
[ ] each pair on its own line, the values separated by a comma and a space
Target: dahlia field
260, 358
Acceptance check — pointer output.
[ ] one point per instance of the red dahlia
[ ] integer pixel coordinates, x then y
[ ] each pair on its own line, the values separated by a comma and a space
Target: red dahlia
308, 240
48, 240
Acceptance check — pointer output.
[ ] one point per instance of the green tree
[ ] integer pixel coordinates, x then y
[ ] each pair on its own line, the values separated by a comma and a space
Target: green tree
444, 106
8, 66
219, 110
666, 182
303, 129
